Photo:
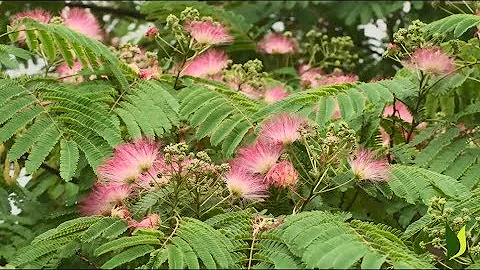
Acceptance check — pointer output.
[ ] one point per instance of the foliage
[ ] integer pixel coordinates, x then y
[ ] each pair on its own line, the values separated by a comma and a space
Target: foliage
162, 143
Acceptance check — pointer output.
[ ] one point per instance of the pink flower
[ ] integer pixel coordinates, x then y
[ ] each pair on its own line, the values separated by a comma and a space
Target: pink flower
152, 221
332, 79
275, 94
151, 31
149, 73
207, 64
259, 157
401, 112
102, 198
38, 14
83, 21
277, 44
208, 32
242, 183
431, 60
309, 77
129, 161
366, 167
282, 174
63, 70
282, 128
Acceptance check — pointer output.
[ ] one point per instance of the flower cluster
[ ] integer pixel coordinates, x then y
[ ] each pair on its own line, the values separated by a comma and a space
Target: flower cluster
78, 19
329, 52
257, 165
144, 63
141, 166
316, 77
431, 60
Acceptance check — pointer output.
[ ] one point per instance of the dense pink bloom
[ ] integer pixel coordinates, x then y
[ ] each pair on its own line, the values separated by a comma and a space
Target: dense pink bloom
63, 70
277, 44
244, 184
38, 14
282, 128
366, 167
431, 60
83, 21
309, 77
331, 79
152, 221
259, 157
208, 32
275, 94
151, 31
207, 64
282, 174
402, 112
129, 161
102, 198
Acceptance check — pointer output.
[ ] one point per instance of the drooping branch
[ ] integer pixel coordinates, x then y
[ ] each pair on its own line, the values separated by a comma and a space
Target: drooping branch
119, 12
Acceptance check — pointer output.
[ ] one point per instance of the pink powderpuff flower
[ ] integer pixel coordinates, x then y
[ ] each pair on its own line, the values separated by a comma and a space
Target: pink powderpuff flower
208, 32
243, 184
310, 77
152, 221
332, 79
366, 167
259, 157
431, 61
207, 64
83, 21
63, 70
149, 73
282, 174
129, 161
401, 111
274, 43
158, 175
275, 94
38, 14
102, 198
282, 128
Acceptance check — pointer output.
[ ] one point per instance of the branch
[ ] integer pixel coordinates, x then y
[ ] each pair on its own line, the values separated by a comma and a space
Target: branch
119, 12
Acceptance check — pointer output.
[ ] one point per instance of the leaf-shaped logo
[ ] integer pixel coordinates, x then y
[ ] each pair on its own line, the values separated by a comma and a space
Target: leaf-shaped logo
456, 244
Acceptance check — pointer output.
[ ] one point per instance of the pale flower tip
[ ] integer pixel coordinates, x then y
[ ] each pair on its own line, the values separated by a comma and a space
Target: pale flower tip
365, 166
431, 60
208, 32
274, 43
